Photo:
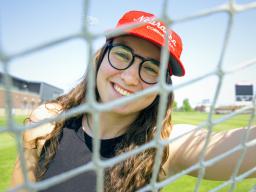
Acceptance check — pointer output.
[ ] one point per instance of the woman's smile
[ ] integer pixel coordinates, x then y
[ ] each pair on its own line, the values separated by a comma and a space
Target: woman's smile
122, 91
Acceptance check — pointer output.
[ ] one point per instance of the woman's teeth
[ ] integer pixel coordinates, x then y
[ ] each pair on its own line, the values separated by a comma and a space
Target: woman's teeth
121, 91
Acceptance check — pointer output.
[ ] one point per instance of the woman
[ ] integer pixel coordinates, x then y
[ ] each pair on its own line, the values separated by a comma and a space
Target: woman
125, 65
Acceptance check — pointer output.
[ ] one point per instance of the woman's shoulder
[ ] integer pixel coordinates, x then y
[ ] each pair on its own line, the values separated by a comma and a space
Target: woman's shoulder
42, 112
181, 136
178, 130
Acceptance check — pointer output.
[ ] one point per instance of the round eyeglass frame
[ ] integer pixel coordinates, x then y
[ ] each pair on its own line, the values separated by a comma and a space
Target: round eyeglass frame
143, 60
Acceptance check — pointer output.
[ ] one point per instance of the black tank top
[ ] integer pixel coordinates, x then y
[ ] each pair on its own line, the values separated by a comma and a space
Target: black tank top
74, 150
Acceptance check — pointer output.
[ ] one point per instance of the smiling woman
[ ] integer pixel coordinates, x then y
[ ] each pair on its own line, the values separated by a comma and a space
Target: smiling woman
128, 74
125, 65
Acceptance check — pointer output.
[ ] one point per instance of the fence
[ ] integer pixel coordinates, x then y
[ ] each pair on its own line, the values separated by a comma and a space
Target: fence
231, 8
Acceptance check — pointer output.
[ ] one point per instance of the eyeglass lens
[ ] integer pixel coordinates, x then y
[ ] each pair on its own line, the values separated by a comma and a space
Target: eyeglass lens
121, 57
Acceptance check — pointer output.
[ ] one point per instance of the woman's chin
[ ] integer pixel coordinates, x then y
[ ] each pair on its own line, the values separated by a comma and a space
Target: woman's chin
126, 109
123, 110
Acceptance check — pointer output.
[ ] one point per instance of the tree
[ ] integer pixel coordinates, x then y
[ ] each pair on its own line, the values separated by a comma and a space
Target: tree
174, 106
186, 106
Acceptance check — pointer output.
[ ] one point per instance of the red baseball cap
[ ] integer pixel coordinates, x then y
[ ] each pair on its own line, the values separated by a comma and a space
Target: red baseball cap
154, 31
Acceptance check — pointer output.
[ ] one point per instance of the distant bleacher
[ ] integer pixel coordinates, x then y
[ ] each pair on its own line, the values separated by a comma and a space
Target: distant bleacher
26, 95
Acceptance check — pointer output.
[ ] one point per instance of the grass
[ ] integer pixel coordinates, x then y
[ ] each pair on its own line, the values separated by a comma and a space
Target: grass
184, 184
195, 118
187, 184
8, 153
7, 159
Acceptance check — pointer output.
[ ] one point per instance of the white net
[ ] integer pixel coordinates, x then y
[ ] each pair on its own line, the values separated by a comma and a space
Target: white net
92, 107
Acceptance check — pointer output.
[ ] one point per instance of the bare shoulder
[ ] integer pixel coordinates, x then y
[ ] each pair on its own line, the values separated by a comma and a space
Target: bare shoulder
183, 137
181, 130
43, 111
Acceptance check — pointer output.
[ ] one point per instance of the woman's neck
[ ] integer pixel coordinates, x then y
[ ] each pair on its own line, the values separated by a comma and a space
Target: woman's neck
111, 124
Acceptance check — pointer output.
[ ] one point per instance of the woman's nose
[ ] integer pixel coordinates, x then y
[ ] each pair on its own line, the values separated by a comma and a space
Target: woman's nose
131, 75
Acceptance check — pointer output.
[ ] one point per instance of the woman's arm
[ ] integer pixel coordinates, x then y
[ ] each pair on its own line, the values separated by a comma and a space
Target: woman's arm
31, 162
186, 151
31, 144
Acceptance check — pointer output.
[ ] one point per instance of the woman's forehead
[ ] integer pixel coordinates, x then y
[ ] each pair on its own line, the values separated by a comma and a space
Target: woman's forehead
140, 46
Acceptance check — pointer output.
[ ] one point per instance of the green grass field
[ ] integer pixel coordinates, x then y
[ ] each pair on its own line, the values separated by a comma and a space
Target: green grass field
184, 184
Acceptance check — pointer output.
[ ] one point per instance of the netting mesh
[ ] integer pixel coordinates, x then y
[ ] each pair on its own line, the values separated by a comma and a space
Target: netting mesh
94, 108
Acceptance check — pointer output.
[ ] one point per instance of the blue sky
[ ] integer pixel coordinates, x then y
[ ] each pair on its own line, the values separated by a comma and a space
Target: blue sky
28, 23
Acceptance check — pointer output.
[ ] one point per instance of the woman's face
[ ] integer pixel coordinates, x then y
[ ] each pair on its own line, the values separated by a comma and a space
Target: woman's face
113, 84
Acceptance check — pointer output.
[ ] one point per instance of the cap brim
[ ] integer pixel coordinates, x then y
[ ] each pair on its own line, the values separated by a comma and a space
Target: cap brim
176, 66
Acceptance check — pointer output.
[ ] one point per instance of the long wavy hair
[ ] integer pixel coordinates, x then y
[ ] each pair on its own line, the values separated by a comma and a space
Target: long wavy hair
132, 173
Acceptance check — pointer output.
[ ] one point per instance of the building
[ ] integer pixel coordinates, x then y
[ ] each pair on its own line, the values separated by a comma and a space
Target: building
203, 106
26, 95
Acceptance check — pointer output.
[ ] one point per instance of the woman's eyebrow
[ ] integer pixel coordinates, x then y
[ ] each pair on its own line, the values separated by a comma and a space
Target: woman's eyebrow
121, 41
125, 42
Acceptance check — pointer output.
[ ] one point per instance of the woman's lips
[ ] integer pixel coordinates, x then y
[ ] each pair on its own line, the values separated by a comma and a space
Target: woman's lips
121, 90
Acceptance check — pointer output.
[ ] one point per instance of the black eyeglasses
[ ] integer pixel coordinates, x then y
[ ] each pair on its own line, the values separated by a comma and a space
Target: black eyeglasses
121, 57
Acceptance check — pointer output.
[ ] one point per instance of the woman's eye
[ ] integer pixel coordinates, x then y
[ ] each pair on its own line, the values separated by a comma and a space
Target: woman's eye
151, 70
123, 55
